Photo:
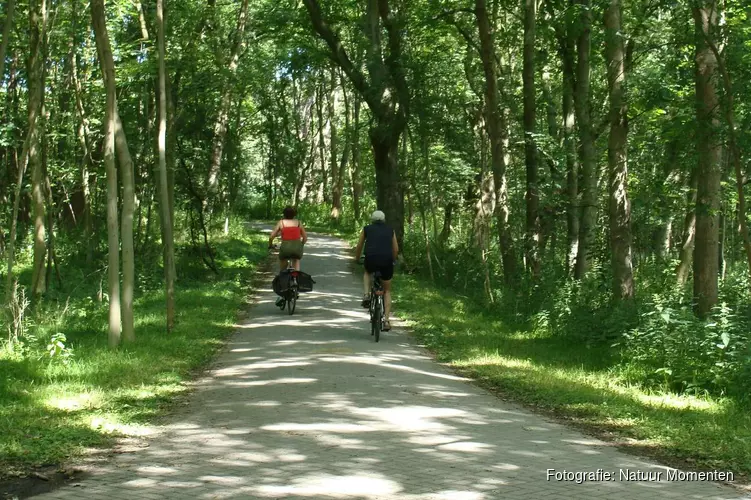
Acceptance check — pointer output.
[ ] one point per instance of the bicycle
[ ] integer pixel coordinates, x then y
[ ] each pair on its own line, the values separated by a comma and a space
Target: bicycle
292, 292
377, 309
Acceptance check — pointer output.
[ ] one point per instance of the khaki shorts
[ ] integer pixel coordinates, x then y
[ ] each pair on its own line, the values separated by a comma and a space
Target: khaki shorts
290, 249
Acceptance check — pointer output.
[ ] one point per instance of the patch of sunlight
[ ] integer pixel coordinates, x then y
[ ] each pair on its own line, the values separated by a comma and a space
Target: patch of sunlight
597, 380
74, 402
108, 423
674, 401
329, 485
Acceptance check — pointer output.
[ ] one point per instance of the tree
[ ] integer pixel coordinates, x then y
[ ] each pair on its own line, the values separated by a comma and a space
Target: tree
222, 119
533, 239
37, 36
7, 27
495, 132
164, 204
110, 121
619, 206
386, 93
709, 173
588, 207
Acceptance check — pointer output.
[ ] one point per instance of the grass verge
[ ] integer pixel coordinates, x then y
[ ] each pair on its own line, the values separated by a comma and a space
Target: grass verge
54, 409
578, 384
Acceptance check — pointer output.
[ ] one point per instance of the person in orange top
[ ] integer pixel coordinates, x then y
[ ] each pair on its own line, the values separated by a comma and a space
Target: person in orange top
293, 237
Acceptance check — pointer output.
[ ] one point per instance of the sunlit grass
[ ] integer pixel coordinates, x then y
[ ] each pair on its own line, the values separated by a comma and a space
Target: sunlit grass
585, 384
51, 410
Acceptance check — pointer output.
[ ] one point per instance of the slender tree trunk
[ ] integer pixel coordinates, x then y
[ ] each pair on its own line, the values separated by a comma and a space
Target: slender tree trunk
586, 144
10, 9
164, 204
110, 120
620, 205
336, 211
495, 130
735, 152
532, 197
572, 164
333, 139
84, 135
356, 182
222, 120
706, 249
323, 191
128, 210
686, 254
10, 251
37, 35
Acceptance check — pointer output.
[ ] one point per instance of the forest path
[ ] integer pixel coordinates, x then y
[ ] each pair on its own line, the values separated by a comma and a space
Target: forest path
308, 406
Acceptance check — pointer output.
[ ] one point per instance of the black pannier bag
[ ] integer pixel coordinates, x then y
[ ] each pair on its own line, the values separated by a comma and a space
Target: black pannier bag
282, 281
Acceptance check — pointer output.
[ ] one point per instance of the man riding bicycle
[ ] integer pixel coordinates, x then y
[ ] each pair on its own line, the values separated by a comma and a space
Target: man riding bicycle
381, 250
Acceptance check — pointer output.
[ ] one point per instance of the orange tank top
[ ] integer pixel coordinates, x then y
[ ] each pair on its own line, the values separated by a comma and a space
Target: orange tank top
291, 232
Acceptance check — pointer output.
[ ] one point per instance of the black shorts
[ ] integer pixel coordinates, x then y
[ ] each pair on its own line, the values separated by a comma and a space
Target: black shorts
379, 263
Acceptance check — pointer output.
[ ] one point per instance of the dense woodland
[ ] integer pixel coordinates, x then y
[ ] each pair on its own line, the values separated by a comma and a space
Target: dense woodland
579, 166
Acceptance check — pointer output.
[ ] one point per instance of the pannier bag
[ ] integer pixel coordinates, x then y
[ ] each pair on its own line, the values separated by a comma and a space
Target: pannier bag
282, 281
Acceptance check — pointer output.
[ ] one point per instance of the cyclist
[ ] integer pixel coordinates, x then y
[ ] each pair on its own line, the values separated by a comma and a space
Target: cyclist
381, 250
293, 237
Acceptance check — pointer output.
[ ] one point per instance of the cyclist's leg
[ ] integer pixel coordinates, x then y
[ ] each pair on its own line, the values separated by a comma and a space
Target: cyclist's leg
282, 264
387, 273
366, 282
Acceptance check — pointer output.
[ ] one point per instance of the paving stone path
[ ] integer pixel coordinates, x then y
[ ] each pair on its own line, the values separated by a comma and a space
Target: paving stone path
309, 407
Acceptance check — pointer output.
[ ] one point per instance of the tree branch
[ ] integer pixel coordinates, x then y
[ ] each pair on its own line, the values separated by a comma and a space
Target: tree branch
339, 54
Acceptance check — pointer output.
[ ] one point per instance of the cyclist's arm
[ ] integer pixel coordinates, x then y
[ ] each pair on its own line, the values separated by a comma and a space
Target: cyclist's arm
304, 235
394, 246
274, 233
358, 249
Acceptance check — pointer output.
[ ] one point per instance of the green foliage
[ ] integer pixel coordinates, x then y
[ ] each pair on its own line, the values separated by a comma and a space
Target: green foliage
675, 350
586, 383
66, 390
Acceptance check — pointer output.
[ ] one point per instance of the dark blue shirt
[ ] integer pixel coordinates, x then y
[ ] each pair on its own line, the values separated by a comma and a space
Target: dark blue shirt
378, 240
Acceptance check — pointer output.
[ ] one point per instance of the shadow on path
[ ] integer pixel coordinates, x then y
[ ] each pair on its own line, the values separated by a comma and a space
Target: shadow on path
308, 406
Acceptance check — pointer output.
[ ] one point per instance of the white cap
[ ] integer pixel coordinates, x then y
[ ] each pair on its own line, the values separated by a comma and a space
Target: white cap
378, 216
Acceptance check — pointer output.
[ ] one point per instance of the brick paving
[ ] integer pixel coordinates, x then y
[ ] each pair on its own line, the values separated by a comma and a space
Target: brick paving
309, 407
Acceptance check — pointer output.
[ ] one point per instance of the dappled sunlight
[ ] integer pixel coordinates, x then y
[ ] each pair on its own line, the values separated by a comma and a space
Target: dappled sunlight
309, 406
316, 485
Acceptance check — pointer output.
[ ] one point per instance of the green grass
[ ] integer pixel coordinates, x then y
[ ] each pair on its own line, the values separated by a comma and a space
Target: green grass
583, 385
51, 410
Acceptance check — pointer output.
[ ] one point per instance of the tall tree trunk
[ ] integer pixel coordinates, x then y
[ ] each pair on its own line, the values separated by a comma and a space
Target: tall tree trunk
222, 119
495, 130
10, 250
37, 35
10, 10
128, 209
333, 138
706, 249
620, 205
110, 119
569, 138
336, 211
356, 182
389, 193
164, 204
323, 188
532, 197
588, 208
735, 152
84, 136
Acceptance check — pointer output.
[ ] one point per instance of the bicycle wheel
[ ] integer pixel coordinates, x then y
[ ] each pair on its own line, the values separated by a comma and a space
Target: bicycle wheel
376, 318
292, 301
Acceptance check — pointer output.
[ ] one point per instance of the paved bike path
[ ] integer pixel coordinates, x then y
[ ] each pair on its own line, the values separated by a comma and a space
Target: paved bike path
309, 407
